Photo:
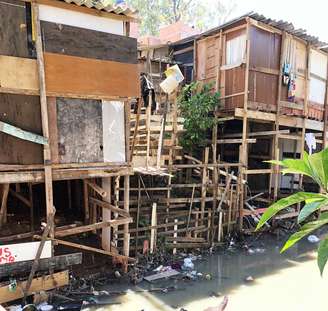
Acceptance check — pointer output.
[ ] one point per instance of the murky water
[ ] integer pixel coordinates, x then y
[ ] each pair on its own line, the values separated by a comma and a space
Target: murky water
288, 282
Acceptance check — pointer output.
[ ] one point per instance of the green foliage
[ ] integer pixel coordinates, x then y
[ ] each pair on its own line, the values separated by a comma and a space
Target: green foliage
316, 167
198, 13
196, 104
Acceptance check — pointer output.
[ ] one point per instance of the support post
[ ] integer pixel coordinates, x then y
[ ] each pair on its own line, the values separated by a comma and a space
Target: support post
44, 115
243, 151
126, 243
276, 136
3, 209
106, 215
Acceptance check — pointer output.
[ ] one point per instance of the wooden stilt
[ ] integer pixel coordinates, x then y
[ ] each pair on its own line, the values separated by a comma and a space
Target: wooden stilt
244, 147
106, 216
138, 213
126, 243
69, 194
153, 230
44, 114
204, 183
3, 209
175, 235
30, 192
86, 202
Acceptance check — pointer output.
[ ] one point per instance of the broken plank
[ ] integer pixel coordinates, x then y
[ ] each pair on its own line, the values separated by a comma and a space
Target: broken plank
91, 249
161, 275
57, 263
38, 284
19, 133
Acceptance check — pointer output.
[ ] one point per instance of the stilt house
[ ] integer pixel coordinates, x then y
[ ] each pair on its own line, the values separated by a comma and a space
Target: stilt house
68, 74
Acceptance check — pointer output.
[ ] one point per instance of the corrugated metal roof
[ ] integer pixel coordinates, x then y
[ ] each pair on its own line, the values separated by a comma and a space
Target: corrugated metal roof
289, 28
103, 5
280, 24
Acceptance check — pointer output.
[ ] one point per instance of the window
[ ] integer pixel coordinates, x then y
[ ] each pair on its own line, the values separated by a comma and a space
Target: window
235, 50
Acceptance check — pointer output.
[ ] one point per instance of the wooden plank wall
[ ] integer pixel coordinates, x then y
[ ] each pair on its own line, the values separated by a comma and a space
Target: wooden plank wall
264, 68
13, 34
24, 112
74, 41
71, 76
234, 78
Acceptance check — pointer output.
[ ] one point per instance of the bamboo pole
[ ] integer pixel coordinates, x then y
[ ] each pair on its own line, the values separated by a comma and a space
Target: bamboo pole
44, 114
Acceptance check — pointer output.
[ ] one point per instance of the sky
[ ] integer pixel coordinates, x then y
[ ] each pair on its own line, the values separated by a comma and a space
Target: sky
309, 15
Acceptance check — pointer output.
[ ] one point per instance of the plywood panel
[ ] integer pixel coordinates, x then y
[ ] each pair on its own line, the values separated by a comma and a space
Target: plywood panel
201, 60
79, 19
23, 252
81, 42
263, 89
318, 64
264, 48
53, 129
13, 35
113, 131
234, 83
19, 73
24, 112
75, 76
80, 132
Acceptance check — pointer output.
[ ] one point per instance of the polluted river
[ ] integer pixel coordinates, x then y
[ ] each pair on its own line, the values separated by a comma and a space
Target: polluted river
255, 277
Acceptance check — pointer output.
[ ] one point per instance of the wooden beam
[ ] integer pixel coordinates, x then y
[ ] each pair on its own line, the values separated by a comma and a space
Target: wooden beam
236, 141
21, 198
43, 283
126, 242
96, 188
92, 249
109, 206
35, 264
98, 225
3, 208
44, 114
57, 263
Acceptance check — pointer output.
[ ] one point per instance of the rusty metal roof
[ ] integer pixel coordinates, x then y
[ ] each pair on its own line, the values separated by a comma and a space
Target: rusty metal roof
289, 28
104, 5
279, 24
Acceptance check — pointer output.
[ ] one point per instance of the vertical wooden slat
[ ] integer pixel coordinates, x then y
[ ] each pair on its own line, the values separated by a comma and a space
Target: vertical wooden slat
126, 243
86, 202
3, 209
204, 184
106, 215
30, 195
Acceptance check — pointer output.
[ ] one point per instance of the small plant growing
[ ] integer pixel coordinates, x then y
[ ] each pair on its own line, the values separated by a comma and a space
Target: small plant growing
196, 104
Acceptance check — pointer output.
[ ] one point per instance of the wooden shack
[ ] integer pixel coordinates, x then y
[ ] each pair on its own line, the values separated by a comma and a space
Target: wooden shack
68, 73
273, 83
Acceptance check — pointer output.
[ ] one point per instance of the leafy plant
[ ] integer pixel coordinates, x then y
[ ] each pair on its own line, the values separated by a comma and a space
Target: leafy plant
314, 166
196, 104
